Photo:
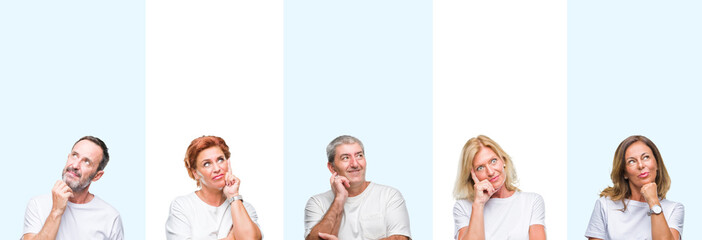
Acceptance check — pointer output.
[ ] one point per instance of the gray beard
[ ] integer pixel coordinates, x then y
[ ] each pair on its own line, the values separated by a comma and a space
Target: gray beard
77, 186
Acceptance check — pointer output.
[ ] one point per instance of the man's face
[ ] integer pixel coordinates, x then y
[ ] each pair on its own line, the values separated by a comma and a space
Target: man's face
350, 162
81, 166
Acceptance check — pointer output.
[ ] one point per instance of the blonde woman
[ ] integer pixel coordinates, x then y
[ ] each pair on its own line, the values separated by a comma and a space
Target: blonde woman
636, 207
488, 204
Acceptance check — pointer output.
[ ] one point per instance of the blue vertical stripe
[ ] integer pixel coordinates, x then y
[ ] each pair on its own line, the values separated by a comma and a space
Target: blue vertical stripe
362, 68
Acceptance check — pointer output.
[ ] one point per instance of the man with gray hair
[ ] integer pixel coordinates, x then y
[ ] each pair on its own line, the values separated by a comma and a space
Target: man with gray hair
354, 208
71, 211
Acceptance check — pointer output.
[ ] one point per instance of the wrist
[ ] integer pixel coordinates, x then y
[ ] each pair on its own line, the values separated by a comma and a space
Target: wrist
235, 198
478, 206
340, 200
653, 202
56, 213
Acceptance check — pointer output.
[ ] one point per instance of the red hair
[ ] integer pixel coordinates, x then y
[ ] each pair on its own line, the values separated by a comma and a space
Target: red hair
200, 144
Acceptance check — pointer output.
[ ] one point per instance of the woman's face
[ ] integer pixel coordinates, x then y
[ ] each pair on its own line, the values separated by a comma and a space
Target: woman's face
640, 165
487, 165
211, 165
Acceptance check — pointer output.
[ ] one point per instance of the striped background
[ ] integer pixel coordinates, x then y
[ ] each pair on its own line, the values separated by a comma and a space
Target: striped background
558, 84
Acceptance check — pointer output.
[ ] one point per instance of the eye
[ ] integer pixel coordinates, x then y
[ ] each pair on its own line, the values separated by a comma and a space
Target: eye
493, 161
360, 155
86, 162
75, 155
479, 168
220, 160
206, 164
645, 157
631, 161
344, 157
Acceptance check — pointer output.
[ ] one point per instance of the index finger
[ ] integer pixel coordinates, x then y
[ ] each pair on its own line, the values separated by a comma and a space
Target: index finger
472, 174
229, 161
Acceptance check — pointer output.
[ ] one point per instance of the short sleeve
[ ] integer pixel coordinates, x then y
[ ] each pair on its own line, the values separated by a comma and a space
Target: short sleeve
538, 211
677, 219
314, 212
252, 212
117, 230
32, 221
177, 225
396, 216
597, 226
461, 216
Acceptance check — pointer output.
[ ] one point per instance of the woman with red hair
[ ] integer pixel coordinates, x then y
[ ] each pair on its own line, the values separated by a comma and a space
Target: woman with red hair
216, 210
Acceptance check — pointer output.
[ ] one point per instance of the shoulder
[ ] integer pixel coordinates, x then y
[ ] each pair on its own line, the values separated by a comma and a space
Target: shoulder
328, 195
106, 207
384, 189
184, 201
462, 205
665, 203
40, 200
532, 196
324, 198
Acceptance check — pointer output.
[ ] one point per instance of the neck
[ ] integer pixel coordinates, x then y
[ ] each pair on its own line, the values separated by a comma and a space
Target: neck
211, 196
502, 193
357, 189
81, 197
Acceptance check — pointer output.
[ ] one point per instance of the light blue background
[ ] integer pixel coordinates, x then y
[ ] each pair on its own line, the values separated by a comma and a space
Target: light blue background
69, 69
362, 68
633, 68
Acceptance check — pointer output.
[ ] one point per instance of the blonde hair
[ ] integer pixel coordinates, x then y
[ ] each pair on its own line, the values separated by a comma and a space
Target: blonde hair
463, 188
621, 189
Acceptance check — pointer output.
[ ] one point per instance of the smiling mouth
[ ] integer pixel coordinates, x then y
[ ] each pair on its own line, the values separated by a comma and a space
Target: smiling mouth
643, 175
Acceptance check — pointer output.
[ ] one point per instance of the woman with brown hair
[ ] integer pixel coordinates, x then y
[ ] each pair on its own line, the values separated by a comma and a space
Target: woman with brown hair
636, 207
488, 203
216, 210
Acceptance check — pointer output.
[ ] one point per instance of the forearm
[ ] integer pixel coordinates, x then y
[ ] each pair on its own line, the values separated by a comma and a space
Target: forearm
243, 227
49, 230
660, 229
331, 221
537, 232
476, 226
396, 237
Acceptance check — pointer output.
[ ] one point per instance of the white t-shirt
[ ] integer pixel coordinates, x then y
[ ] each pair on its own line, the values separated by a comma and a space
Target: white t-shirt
191, 218
378, 212
504, 218
93, 220
608, 222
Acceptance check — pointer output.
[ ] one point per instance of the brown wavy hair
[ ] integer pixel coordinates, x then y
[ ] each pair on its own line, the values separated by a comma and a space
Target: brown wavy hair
621, 189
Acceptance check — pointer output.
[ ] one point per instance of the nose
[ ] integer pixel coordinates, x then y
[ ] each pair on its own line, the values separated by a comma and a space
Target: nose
353, 162
73, 163
217, 168
490, 171
640, 164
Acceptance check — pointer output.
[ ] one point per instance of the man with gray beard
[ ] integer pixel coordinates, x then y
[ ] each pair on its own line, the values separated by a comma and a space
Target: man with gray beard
71, 211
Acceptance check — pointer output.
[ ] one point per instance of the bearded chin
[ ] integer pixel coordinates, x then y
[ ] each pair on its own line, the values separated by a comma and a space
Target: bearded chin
77, 186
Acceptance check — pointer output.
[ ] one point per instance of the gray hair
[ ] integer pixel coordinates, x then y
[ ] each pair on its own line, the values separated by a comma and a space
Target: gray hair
343, 139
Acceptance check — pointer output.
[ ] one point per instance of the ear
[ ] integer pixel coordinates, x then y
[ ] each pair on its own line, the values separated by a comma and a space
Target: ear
195, 175
331, 167
98, 175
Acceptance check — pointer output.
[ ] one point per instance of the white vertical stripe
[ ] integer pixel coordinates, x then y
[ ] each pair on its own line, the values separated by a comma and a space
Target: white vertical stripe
215, 68
500, 70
